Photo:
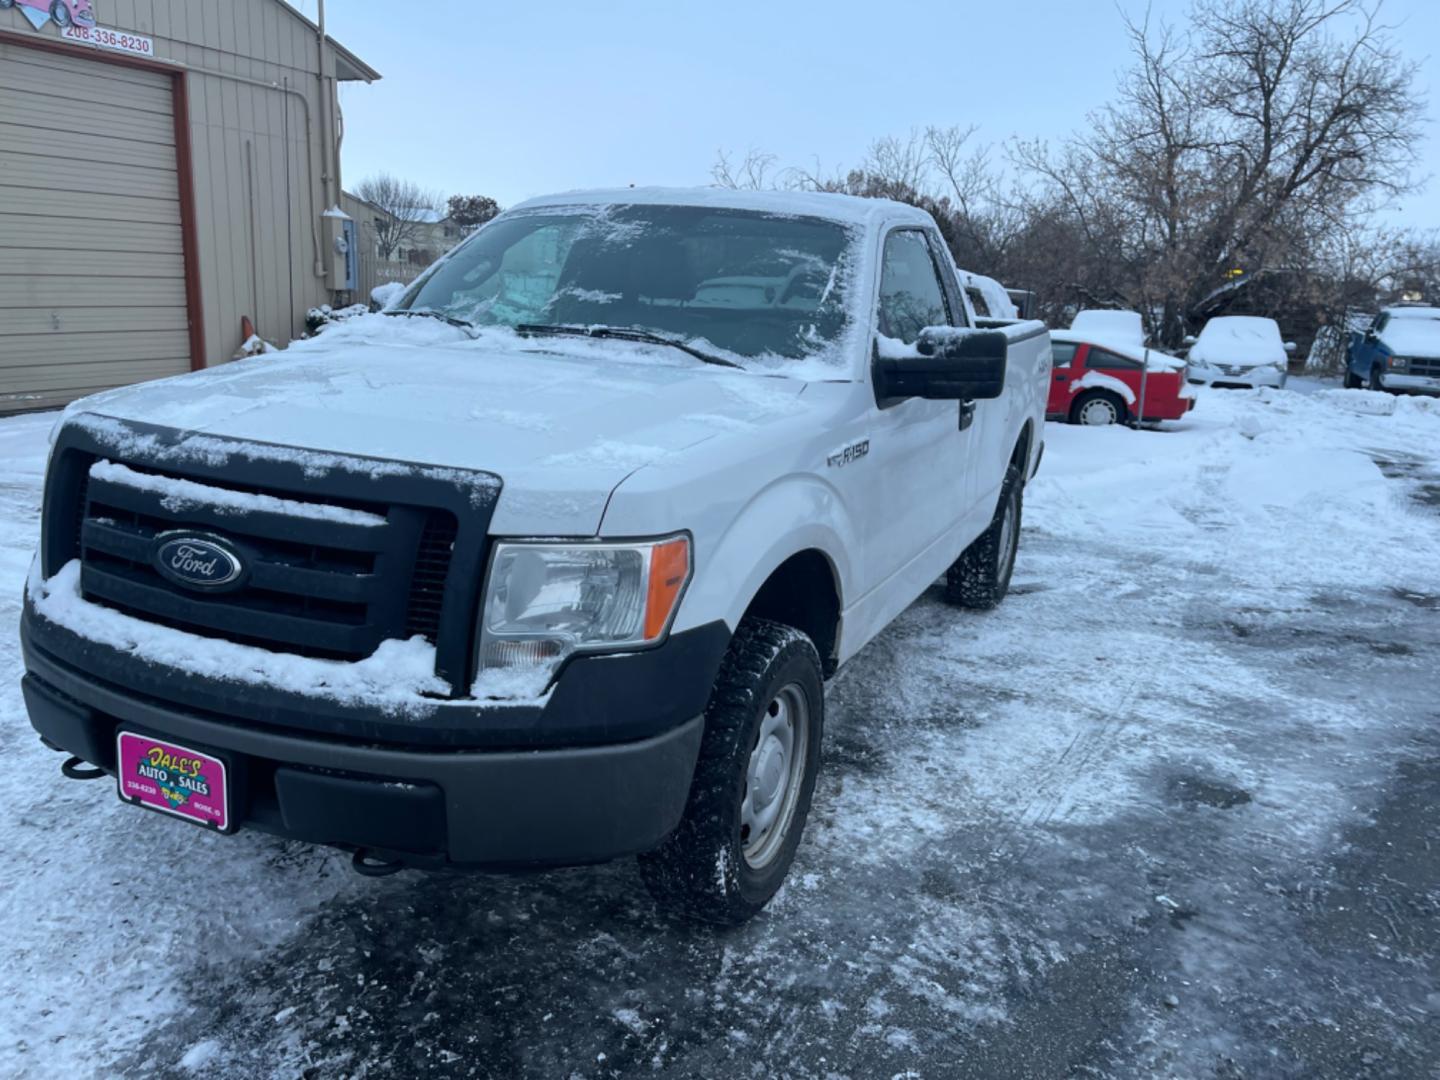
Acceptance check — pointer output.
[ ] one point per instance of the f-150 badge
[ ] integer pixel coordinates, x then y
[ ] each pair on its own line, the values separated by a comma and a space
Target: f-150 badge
846, 454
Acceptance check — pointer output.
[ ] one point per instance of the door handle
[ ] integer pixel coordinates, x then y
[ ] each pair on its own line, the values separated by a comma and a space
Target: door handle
1062, 378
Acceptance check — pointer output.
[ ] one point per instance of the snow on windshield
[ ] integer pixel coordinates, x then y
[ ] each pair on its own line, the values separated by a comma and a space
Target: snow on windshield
760, 290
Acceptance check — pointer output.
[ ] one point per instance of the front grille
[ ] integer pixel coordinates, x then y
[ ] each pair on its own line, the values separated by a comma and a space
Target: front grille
1425, 366
316, 587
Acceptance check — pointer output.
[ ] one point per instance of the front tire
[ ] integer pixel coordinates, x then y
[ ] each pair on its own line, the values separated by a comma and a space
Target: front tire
60, 13
748, 803
980, 578
1352, 381
1377, 378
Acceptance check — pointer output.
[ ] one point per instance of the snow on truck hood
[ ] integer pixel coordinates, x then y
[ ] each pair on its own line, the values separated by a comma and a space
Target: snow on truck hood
561, 421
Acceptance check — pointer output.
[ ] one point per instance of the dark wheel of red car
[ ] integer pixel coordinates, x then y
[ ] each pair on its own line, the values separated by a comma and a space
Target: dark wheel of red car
1098, 407
1352, 381
60, 13
751, 793
980, 578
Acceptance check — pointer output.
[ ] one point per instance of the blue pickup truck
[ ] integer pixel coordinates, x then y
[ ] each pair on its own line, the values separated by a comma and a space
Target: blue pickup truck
1398, 352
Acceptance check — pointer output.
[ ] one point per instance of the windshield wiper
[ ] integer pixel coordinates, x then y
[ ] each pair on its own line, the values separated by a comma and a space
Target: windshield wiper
430, 313
622, 333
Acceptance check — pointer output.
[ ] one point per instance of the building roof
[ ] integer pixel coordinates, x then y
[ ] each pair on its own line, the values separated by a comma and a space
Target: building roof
348, 66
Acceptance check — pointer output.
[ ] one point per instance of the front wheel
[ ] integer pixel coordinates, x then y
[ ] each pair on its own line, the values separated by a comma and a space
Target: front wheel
753, 783
980, 578
1352, 381
60, 13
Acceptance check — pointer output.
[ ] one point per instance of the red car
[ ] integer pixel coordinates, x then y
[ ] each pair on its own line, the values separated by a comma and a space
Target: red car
1100, 382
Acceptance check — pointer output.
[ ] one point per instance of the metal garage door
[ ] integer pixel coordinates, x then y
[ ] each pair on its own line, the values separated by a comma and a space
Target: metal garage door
92, 283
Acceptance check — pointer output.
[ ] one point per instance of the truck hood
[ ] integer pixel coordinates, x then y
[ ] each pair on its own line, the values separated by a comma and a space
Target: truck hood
561, 421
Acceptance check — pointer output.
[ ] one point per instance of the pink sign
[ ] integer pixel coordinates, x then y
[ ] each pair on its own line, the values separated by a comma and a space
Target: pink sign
172, 779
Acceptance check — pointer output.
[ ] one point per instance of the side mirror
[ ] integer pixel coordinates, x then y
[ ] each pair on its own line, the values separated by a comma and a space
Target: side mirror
951, 365
1370, 334
1289, 346
1190, 339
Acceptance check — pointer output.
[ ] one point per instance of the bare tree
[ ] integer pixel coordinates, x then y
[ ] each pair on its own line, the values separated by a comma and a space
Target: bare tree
405, 209
754, 172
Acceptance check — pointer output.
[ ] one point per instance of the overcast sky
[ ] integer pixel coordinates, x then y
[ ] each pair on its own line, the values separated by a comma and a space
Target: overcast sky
524, 99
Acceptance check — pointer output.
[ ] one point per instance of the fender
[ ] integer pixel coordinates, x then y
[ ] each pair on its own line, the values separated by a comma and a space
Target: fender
792, 514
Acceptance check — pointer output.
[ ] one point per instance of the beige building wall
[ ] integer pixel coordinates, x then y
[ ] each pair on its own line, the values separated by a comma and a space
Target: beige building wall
263, 148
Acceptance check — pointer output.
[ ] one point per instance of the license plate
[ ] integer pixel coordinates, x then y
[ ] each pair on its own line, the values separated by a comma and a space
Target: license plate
173, 779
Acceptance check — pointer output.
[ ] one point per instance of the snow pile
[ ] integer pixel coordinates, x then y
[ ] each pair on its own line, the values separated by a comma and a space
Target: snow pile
394, 679
1272, 485
254, 345
179, 495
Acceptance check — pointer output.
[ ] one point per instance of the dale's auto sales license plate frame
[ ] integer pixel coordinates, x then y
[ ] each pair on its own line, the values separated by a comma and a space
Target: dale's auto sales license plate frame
193, 785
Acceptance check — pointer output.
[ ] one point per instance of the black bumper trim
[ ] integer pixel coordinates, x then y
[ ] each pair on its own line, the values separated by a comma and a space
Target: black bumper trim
510, 809
596, 700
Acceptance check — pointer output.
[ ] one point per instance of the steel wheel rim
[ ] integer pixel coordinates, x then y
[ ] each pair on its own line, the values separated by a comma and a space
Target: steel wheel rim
60, 13
1098, 412
774, 776
1007, 539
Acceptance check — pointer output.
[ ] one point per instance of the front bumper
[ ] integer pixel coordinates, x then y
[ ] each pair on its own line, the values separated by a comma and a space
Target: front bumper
1415, 384
519, 803
1265, 375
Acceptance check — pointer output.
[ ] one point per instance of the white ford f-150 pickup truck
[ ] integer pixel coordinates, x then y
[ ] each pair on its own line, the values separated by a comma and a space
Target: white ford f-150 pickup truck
548, 563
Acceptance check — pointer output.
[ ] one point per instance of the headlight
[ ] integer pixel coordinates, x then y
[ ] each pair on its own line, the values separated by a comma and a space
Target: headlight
546, 601
1399, 363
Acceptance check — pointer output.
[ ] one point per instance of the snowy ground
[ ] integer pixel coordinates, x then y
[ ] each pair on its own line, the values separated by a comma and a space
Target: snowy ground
1172, 810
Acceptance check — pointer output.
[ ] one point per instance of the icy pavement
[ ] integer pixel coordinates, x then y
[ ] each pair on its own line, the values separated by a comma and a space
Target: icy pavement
1172, 810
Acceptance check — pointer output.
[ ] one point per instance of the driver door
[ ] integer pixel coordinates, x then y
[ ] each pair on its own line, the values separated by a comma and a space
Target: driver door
920, 483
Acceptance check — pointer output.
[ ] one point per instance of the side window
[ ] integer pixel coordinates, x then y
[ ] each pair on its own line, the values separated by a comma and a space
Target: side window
1105, 360
1062, 353
910, 294
977, 301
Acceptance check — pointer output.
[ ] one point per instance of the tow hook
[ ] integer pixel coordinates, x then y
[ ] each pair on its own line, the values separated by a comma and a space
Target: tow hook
79, 769
368, 865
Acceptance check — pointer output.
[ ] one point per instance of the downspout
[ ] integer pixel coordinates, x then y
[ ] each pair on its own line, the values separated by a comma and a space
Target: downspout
327, 119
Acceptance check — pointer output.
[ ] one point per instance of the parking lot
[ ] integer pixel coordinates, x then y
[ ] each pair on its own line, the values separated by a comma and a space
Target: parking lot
1170, 810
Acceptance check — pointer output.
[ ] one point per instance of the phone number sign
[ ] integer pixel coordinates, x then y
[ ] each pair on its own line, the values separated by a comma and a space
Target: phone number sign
105, 38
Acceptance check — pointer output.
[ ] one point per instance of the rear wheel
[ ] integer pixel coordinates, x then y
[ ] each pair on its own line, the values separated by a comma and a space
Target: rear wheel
753, 783
1097, 407
60, 13
980, 578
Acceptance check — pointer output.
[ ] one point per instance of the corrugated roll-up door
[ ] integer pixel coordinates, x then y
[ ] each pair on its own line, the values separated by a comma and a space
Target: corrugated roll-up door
92, 281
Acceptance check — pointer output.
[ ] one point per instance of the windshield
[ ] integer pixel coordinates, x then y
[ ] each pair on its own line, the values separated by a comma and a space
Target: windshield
756, 286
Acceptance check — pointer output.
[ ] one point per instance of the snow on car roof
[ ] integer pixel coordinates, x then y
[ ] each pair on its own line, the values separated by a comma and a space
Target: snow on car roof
849, 209
1120, 325
1413, 312
1152, 358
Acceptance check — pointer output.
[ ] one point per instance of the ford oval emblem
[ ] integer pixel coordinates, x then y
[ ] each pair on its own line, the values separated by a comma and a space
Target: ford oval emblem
197, 560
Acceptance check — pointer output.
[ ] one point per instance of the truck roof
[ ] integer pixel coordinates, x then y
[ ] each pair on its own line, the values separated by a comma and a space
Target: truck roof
847, 209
